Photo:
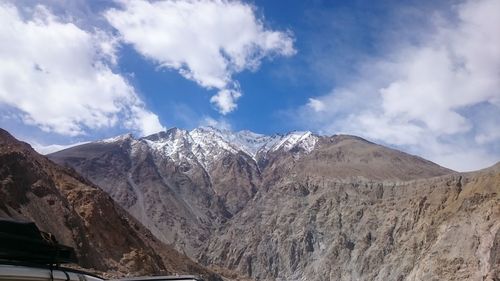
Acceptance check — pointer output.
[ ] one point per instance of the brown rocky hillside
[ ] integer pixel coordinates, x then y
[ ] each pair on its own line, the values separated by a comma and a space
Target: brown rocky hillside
79, 214
443, 228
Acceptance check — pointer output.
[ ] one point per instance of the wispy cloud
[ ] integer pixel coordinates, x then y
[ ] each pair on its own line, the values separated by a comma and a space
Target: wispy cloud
419, 96
206, 41
60, 79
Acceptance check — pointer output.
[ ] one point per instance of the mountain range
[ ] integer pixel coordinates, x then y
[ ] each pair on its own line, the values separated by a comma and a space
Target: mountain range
298, 206
185, 184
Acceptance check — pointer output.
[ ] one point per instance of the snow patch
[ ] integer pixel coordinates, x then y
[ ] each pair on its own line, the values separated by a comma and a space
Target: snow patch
119, 138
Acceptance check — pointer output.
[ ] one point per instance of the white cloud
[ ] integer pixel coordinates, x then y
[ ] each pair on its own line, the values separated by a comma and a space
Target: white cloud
59, 76
226, 100
422, 97
316, 105
221, 123
47, 149
207, 41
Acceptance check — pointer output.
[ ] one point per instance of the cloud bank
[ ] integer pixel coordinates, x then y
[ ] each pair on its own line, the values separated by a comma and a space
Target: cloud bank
59, 76
439, 98
206, 41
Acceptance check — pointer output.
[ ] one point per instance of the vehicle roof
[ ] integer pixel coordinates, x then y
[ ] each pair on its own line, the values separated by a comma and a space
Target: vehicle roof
34, 273
160, 278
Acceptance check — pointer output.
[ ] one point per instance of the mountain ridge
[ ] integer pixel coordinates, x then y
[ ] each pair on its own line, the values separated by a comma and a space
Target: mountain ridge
184, 184
245, 141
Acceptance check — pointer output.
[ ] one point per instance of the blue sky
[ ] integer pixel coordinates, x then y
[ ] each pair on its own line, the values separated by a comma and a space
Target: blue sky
420, 76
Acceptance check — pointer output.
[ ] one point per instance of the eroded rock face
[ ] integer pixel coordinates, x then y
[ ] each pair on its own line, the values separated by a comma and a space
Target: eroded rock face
444, 228
79, 214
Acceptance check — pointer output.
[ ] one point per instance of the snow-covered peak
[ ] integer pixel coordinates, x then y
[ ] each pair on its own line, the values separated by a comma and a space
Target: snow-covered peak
211, 139
305, 140
119, 138
249, 142
170, 134
171, 142
252, 143
206, 145
210, 144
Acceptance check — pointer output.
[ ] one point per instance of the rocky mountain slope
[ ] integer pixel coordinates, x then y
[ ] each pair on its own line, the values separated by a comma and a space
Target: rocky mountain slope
283, 207
81, 215
444, 228
301, 206
183, 185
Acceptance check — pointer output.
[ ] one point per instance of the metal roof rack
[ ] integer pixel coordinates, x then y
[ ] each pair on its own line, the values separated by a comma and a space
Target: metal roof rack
9, 272
24, 242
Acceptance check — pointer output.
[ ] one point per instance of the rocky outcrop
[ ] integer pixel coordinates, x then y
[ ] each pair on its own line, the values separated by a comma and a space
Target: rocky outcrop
79, 214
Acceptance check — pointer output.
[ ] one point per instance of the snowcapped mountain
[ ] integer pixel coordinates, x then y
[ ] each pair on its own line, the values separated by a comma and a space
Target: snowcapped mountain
179, 183
213, 142
284, 207
183, 185
205, 145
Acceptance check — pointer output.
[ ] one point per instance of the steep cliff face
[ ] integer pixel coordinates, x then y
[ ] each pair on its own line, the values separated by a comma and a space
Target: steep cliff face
444, 228
79, 214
